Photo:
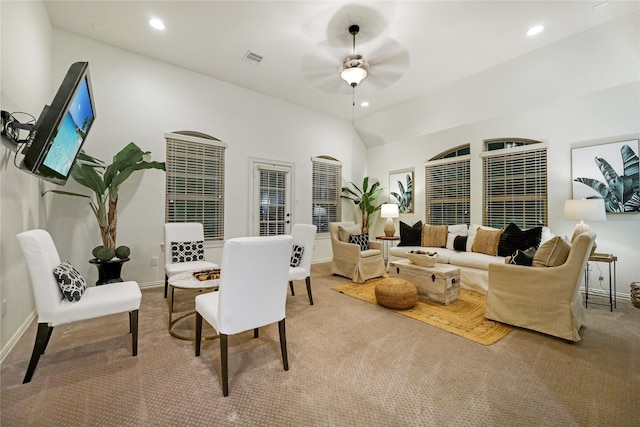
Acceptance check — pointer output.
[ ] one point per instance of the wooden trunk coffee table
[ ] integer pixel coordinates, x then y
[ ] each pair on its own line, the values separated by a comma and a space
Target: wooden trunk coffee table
440, 283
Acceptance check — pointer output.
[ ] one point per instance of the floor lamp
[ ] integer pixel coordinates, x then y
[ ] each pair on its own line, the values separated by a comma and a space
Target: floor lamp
584, 210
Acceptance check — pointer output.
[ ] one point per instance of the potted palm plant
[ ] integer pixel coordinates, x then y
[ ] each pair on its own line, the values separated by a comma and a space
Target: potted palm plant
104, 181
364, 199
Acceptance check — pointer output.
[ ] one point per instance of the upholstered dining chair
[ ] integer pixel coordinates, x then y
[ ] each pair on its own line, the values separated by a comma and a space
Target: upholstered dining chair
53, 309
304, 236
183, 249
252, 293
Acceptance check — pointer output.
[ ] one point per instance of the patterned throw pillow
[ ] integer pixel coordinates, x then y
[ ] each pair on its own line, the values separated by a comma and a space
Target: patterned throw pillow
525, 257
360, 239
72, 284
296, 255
410, 235
187, 251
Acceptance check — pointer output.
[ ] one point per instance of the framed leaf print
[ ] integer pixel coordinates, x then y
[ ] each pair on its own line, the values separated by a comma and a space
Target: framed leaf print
609, 172
401, 189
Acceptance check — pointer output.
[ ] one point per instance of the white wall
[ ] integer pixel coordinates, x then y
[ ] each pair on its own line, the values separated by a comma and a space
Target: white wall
25, 86
139, 99
598, 101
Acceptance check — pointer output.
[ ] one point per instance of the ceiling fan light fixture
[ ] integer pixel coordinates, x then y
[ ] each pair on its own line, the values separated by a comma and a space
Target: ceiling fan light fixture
354, 69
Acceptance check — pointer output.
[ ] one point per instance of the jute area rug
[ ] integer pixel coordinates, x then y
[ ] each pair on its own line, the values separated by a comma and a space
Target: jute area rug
464, 317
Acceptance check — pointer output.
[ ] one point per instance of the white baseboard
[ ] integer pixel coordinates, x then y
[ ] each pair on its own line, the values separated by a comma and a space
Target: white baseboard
14, 339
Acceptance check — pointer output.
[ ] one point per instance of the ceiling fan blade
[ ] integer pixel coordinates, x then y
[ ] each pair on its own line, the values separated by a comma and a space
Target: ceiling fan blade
321, 68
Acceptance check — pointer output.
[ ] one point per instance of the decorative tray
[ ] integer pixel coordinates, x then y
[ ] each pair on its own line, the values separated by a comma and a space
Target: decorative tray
210, 274
424, 259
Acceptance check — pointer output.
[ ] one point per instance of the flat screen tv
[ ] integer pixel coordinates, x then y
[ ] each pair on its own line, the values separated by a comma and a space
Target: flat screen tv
62, 128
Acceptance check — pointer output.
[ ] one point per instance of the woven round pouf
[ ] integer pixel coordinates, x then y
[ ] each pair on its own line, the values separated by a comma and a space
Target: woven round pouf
396, 293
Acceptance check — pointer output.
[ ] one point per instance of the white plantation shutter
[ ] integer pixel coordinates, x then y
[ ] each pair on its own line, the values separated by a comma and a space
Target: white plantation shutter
195, 183
448, 191
515, 186
326, 191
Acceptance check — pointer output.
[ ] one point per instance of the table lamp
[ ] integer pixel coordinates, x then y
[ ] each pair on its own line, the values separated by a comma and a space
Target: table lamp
389, 211
584, 210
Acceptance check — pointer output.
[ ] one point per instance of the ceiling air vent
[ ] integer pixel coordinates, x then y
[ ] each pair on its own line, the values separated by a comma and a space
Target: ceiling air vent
252, 57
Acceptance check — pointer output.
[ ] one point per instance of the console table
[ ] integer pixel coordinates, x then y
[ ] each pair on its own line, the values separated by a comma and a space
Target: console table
609, 259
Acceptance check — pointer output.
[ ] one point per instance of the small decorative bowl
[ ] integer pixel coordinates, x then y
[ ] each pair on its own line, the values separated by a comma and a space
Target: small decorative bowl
423, 260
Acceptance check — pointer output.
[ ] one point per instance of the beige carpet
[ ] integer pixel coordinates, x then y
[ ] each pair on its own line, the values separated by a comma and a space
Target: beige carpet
464, 317
351, 364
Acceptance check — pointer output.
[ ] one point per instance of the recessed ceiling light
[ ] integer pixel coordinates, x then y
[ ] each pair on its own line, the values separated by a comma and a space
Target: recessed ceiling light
157, 24
535, 30
364, 104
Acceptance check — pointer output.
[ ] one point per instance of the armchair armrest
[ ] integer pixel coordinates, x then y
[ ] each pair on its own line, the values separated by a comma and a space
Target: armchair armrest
524, 282
375, 245
344, 250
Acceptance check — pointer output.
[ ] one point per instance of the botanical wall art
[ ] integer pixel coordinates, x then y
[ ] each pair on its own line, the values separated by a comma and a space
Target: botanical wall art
401, 190
610, 172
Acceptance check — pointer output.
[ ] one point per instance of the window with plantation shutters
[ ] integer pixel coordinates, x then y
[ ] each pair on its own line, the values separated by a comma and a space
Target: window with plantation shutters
326, 190
195, 181
514, 183
448, 188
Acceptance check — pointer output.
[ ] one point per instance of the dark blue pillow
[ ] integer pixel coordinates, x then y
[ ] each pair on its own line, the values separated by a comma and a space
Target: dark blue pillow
410, 235
360, 239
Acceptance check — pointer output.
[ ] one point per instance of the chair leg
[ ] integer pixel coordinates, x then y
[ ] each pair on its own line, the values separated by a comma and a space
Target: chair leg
224, 363
42, 339
291, 286
283, 344
198, 333
308, 280
256, 332
133, 327
166, 285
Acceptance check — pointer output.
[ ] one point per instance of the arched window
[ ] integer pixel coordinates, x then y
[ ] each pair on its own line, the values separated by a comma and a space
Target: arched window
448, 187
195, 181
514, 182
326, 190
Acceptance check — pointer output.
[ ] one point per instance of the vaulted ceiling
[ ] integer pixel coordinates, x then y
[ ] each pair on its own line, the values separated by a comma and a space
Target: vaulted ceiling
413, 47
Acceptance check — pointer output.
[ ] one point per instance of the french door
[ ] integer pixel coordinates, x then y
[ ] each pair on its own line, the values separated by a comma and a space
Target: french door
272, 194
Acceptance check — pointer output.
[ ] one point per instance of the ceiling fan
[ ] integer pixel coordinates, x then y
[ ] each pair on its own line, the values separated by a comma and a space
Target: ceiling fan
327, 68
354, 66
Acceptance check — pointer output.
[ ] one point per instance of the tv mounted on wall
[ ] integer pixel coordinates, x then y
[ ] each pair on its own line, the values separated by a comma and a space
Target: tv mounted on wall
61, 130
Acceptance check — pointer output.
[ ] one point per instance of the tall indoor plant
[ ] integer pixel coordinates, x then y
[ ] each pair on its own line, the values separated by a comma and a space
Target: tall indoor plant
364, 199
104, 181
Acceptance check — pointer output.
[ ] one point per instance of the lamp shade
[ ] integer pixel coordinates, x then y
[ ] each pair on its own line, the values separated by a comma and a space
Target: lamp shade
353, 75
389, 210
585, 210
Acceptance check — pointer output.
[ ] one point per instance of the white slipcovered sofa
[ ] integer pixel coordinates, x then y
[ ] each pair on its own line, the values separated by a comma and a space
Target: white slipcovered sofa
474, 266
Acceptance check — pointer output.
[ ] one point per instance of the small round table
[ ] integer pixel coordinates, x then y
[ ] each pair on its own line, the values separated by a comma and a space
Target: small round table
186, 281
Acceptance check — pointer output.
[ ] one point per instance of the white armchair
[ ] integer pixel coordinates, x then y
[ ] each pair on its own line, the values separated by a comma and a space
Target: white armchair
349, 261
178, 260
42, 257
544, 299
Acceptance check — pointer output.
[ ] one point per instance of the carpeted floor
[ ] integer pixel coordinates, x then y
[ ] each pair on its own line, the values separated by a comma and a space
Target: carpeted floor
463, 317
351, 363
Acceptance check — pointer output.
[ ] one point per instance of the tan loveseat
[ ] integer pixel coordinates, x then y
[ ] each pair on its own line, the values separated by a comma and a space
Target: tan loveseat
544, 299
349, 261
